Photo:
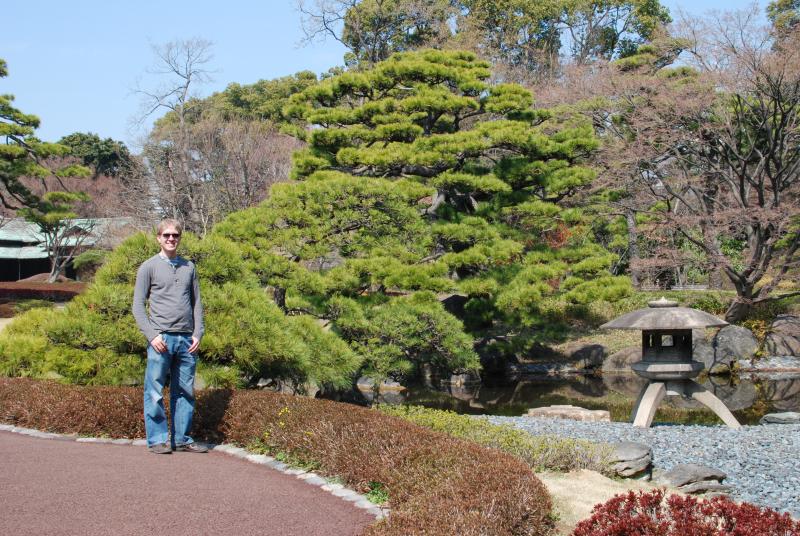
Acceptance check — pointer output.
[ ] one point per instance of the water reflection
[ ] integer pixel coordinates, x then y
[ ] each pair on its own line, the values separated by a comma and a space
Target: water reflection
748, 398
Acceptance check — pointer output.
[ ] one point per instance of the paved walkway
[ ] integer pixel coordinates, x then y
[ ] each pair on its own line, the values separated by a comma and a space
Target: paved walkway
53, 487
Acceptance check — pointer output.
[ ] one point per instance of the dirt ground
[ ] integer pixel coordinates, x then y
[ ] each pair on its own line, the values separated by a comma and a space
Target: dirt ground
575, 494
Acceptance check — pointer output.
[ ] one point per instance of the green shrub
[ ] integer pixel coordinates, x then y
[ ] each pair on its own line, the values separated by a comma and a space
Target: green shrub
22, 354
542, 453
92, 257
95, 340
711, 303
26, 305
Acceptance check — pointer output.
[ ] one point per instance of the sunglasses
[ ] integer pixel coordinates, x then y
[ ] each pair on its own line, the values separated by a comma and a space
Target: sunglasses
171, 235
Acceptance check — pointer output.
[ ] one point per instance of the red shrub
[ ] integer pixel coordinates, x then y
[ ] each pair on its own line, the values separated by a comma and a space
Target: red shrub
653, 514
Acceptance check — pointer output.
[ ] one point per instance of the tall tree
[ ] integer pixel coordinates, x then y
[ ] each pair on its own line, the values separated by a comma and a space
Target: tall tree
104, 156
523, 39
374, 29
183, 65
784, 15
715, 149
422, 178
22, 155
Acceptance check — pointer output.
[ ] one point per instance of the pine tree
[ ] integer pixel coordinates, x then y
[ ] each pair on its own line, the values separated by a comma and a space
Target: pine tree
421, 178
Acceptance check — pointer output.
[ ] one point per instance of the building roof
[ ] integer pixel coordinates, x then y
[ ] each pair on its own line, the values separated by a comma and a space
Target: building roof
21, 239
37, 251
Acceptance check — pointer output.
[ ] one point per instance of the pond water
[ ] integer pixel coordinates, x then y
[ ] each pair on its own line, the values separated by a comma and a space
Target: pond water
748, 398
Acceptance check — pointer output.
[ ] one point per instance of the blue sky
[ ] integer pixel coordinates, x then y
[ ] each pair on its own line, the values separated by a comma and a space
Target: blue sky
74, 64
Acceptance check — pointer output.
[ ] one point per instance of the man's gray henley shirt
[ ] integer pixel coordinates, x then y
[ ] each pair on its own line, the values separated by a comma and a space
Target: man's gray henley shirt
174, 294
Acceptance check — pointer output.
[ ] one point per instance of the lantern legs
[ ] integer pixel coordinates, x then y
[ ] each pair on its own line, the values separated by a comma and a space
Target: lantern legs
653, 393
649, 398
709, 399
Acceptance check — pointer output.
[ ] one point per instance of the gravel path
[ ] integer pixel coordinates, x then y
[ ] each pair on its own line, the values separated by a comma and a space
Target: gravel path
762, 462
55, 487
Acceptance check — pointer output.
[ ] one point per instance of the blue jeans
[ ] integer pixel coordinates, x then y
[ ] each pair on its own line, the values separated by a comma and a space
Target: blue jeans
180, 365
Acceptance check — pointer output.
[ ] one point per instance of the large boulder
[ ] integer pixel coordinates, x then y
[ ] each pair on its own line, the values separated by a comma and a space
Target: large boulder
784, 336
620, 362
585, 356
721, 352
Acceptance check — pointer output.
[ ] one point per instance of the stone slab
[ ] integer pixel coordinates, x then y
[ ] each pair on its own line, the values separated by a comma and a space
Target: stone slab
574, 413
786, 417
687, 473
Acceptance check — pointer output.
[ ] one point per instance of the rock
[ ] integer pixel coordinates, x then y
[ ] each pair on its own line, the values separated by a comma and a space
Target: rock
728, 346
571, 412
784, 336
631, 458
787, 417
365, 383
459, 380
771, 364
309, 389
620, 362
585, 356
688, 473
632, 468
706, 486
629, 450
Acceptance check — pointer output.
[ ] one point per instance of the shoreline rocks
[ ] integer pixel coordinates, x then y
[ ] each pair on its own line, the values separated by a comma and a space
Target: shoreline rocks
574, 413
728, 346
784, 336
786, 417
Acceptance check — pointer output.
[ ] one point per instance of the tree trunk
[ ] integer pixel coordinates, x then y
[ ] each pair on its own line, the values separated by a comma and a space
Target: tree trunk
633, 248
279, 296
738, 310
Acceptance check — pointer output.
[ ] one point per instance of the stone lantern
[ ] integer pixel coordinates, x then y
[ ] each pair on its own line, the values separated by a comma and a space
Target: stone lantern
667, 358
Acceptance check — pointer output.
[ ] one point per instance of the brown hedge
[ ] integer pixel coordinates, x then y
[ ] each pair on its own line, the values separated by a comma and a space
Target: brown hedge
24, 290
437, 484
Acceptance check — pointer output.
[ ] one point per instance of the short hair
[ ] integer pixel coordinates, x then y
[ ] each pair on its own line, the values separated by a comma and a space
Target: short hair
169, 222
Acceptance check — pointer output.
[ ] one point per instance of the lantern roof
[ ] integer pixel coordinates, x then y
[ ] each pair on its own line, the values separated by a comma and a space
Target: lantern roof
665, 314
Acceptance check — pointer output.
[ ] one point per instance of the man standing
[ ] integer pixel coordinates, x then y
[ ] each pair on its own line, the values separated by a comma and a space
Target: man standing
174, 328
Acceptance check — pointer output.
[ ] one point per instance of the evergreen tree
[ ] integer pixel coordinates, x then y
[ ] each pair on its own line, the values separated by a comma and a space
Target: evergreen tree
104, 156
23, 155
420, 177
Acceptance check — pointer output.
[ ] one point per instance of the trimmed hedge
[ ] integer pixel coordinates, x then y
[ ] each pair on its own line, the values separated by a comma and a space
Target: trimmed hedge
26, 290
436, 484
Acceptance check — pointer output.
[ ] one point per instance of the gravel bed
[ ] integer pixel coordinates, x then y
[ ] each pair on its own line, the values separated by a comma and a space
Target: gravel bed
762, 462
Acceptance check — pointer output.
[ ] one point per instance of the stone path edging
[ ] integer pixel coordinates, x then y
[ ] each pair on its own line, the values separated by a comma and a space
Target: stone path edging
335, 489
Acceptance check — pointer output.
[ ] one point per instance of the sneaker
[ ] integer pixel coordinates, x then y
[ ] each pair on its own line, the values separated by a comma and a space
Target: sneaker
160, 448
191, 447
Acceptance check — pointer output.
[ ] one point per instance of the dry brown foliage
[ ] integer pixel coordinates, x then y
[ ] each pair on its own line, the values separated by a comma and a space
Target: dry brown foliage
61, 291
437, 484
